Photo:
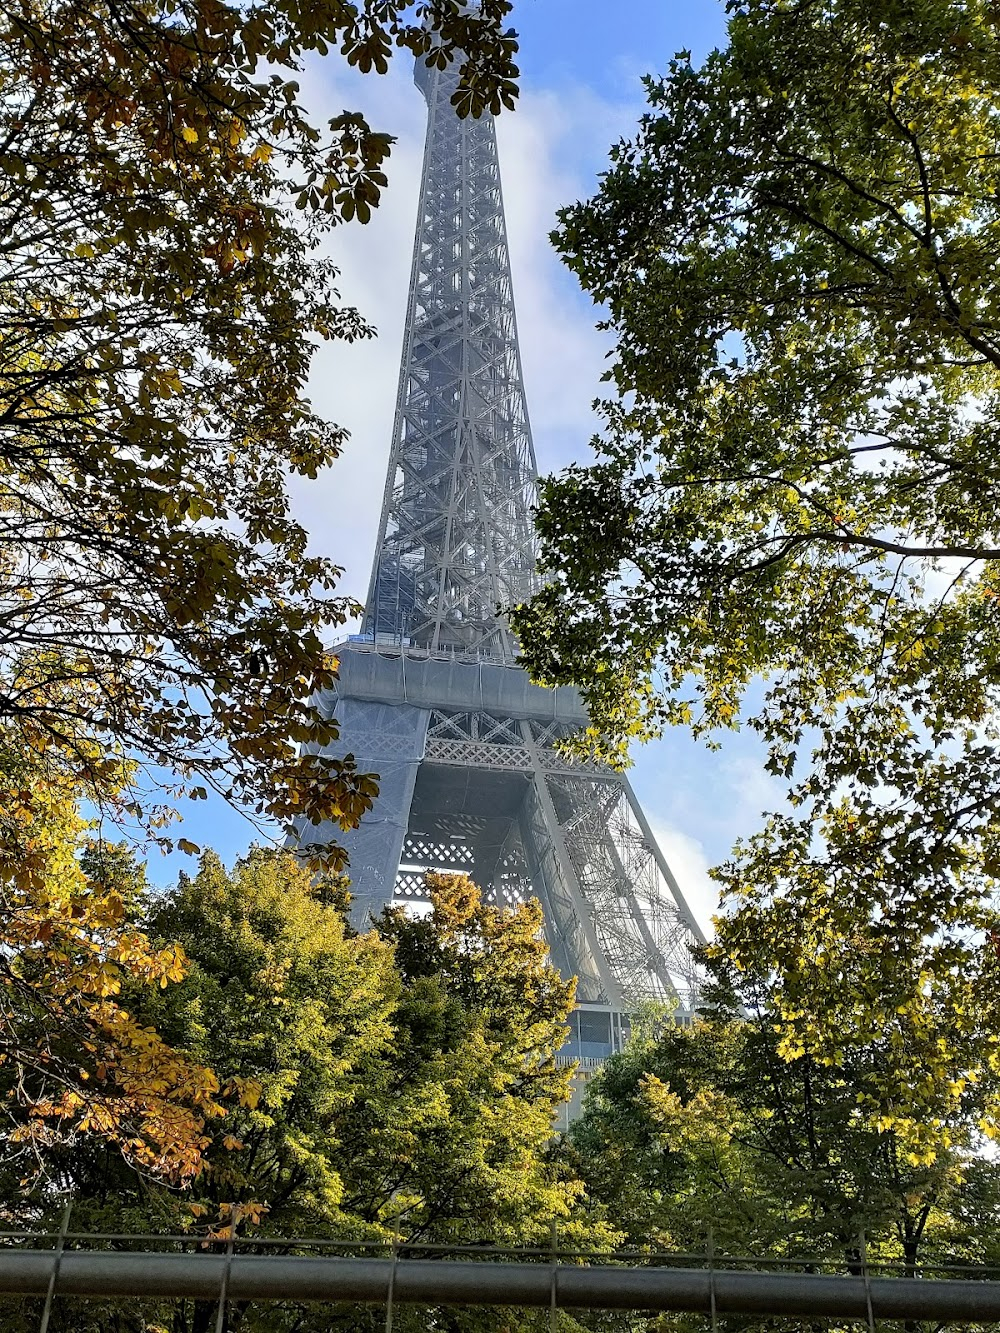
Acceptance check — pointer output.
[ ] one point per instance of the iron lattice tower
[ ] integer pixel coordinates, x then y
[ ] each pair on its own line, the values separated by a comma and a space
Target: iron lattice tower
456, 538
431, 696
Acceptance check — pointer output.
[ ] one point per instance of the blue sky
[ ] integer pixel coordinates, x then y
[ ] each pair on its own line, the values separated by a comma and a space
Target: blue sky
581, 64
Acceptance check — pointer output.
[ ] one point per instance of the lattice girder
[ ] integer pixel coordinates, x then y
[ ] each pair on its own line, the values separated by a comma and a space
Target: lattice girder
456, 540
430, 696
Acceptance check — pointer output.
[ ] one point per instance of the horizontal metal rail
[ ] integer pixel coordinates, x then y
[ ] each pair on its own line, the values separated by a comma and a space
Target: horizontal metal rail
193, 1242
429, 1282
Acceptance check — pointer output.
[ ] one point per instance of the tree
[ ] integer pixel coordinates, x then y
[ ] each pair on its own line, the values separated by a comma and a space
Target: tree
159, 305
76, 1064
398, 1083
797, 486
481, 1018
704, 1135
280, 995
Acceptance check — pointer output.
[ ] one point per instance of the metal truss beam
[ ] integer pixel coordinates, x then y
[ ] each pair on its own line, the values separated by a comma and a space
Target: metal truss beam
456, 540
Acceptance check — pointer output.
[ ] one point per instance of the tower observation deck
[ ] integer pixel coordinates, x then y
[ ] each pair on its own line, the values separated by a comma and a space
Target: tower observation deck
431, 695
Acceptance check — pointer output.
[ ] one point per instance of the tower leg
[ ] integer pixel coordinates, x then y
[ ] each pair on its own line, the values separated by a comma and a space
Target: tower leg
388, 740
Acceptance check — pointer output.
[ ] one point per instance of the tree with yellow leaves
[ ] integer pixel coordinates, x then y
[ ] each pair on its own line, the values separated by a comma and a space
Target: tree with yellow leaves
704, 1134
164, 194
160, 302
791, 525
74, 1059
401, 1082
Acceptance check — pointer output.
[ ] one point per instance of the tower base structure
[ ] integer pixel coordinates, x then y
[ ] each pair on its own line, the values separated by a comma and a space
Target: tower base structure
471, 781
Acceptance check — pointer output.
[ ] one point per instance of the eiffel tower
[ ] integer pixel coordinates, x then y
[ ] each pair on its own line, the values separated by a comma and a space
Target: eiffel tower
431, 695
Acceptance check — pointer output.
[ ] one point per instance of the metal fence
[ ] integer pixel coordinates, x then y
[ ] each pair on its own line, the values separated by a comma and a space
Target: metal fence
82, 1265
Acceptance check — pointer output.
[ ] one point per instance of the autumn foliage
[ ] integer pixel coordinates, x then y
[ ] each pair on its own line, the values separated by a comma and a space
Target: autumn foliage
162, 622
73, 1059
160, 302
401, 1082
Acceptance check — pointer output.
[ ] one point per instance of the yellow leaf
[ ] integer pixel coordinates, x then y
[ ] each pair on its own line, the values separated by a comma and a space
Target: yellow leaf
249, 1092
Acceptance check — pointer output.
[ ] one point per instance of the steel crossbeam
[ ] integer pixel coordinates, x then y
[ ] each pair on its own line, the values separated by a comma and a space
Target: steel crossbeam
456, 539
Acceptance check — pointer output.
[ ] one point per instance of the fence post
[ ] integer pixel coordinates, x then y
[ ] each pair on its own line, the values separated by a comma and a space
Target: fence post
392, 1281
868, 1283
553, 1289
60, 1246
220, 1319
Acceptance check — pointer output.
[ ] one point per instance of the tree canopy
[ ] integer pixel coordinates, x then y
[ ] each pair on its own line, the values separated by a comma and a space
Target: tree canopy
75, 1061
797, 486
160, 301
399, 1083
161, 619
703, 1135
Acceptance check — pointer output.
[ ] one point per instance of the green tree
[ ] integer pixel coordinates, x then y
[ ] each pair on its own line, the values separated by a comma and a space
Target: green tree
797, 486
160, 301
452, 1144
399, 1083
705, 1135
282, 1002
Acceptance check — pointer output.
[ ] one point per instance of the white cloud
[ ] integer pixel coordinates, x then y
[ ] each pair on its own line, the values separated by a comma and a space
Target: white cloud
354, 384
551, 151
752, 790
687, 860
